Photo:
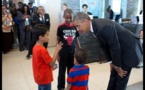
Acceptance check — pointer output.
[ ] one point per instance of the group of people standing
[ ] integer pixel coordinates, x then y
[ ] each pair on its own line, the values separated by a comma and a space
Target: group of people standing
117, 42
18, 24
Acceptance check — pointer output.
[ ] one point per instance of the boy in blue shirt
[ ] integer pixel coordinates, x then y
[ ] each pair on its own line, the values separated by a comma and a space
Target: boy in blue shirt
78, 76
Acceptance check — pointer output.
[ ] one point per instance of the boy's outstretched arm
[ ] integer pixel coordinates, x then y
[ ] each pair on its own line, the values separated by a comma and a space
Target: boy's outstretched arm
57, 49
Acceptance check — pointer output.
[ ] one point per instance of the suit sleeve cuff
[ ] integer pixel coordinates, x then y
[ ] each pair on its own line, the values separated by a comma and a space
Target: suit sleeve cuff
110, 62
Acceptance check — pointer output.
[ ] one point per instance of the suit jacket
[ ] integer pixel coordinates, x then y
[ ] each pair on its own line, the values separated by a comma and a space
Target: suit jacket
120, 45
111, 14
36, 19
89, 13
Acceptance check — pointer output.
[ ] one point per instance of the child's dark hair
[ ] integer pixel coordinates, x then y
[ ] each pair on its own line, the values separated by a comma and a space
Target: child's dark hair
68, 11
84, 5
65, 4
81, 56
39, 30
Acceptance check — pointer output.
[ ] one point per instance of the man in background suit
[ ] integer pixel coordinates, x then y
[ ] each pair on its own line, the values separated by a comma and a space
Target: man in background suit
40, 18
61, 18
110, 13
120, 46
85, 7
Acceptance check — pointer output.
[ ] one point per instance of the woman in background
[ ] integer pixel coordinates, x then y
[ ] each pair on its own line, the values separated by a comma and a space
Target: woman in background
7, 34
24, 27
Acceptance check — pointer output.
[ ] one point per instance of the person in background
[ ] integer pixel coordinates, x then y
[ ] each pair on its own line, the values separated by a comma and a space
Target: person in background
68, 35
42, 18
140, 65
118, 45
42, 62
118, 16
39, 18
25, 27
30, 7
17, 22
110, 13
14, 13
85, 8
78, 75
35, 11
61, 18
7, 30
33, 40
20, 5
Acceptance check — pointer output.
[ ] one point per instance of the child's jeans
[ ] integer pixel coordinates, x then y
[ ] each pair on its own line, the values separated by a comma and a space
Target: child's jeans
44, 86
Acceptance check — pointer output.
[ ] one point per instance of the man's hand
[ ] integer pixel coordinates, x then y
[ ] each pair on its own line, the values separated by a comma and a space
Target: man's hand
121, 72
28, 16
111, 67
58, 58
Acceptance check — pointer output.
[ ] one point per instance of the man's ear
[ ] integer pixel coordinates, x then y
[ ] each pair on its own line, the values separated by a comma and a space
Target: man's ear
86, 21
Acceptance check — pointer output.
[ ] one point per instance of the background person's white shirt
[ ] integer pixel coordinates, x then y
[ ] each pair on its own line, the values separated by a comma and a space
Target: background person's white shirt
61, 19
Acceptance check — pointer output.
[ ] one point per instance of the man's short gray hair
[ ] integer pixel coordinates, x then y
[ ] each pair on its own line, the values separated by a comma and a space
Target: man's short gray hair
80, 16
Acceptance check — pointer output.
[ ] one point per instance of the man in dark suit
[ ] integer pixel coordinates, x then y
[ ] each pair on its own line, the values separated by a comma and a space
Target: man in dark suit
40, 18
110, 13
120, 46
85, 7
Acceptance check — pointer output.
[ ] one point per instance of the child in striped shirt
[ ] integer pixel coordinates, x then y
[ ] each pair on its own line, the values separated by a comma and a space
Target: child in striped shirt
78, 76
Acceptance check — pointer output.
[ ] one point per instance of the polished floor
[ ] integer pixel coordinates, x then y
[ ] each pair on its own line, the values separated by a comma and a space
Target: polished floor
17, 73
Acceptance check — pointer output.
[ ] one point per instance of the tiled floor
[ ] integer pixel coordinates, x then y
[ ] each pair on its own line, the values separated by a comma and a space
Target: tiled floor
17, 74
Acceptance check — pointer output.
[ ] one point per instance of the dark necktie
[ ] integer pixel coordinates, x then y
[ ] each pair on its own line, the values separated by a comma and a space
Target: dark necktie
93, 34
43, 20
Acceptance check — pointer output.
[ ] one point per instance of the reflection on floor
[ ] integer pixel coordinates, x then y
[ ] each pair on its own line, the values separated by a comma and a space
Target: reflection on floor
17, 74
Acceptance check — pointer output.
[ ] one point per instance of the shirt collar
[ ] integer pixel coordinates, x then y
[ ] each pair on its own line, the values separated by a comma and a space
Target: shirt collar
91, 27
79, 66
69, 25
40, 15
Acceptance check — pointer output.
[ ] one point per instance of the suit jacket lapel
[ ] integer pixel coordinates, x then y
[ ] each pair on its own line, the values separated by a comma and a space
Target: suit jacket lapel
94, 28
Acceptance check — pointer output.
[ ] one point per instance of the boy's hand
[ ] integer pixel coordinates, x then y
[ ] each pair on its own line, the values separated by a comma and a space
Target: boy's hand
59, 46
54, 66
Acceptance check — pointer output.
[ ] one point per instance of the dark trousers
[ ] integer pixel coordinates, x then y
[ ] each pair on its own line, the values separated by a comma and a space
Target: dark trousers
7, 41
33, 42
116, 82
24, 39
66, 61
18, 33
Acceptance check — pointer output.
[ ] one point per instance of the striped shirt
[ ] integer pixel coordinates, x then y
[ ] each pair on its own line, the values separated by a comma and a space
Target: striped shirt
78, 77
